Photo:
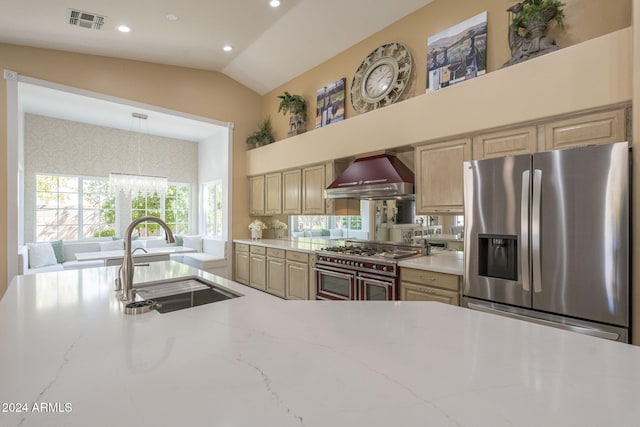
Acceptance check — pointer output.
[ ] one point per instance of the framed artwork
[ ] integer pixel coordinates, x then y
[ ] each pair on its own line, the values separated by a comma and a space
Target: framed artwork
458, 53
330, 106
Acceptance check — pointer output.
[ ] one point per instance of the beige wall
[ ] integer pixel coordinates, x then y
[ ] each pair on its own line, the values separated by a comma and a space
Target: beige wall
586, 19
514, 95
202, 93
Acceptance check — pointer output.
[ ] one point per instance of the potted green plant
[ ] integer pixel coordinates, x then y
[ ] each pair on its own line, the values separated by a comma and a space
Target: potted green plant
297, 106
539, 13
264, 134
528, 29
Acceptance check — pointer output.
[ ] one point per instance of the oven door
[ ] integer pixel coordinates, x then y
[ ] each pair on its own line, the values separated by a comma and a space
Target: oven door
376, 288
335, 283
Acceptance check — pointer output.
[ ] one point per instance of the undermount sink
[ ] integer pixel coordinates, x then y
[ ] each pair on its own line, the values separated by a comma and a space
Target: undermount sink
184, 292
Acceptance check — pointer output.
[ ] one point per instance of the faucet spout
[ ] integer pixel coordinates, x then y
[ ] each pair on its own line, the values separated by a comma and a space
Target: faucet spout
128, 293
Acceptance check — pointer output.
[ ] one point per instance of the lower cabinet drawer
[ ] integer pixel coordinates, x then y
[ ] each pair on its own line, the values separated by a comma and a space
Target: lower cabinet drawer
430, 278
413, 292
261, 250
242, 247
275, 253
298, 256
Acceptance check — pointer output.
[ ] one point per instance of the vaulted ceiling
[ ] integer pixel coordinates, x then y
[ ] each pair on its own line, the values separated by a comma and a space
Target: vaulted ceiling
270, 45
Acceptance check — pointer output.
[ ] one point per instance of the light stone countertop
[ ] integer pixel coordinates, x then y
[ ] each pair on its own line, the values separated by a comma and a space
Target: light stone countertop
301, 244
259, 360
450, 262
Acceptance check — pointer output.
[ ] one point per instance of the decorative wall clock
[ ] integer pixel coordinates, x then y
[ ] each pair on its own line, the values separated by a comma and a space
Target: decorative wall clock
381, 78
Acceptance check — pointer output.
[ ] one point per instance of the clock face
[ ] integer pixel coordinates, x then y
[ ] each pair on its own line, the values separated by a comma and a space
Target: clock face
381, 78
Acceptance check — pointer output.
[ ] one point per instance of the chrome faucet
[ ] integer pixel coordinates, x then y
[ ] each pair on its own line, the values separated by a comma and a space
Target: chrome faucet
126, 275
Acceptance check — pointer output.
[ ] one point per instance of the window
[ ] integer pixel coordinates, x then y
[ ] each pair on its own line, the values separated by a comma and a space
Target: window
75, 207
173, 209
176, 208
320, 225
72, 207
98, 209
147, 206
212, 204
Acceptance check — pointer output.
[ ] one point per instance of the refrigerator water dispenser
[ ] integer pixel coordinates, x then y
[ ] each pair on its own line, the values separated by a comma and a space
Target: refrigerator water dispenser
498, 256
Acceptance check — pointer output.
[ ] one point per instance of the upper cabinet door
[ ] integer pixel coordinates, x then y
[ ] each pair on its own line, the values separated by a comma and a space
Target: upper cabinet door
291, 191
589, 129
439, 176
505, 143
313, 184
273, 198
256, 195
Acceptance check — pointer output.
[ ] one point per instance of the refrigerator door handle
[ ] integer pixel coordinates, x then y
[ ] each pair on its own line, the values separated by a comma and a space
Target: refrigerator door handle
574, 328
524, 232
535, 230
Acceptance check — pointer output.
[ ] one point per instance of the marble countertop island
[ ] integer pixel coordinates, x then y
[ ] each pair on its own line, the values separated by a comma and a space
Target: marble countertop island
70, 357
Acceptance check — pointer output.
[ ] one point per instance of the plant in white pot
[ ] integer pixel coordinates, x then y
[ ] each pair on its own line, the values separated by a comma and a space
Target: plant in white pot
278, 228
256, 228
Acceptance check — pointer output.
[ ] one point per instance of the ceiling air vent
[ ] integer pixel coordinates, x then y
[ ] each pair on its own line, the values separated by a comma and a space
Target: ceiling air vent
85, 19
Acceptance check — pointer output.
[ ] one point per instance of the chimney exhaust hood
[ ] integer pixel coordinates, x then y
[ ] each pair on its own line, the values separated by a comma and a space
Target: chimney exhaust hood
381, 176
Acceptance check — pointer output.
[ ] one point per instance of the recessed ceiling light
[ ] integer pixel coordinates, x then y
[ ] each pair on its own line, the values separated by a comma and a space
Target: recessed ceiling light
172, 17
124, 28
227, 48
274, 3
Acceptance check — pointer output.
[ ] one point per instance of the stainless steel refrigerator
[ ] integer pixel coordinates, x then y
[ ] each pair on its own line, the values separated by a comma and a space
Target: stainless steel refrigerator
547, 238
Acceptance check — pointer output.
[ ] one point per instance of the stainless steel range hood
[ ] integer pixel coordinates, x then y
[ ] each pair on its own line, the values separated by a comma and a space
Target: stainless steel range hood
376, 177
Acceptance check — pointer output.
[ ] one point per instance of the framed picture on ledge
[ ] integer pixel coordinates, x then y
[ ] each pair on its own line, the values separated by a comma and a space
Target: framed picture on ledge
458, 53
330, 106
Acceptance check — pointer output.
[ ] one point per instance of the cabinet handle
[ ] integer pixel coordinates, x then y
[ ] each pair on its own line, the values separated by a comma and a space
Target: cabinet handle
431, 279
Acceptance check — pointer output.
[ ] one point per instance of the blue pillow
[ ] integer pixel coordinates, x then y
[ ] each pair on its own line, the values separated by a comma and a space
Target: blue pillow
57, 249
178, 239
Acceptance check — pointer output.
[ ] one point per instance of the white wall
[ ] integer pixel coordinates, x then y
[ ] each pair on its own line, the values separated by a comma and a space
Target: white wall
213, 165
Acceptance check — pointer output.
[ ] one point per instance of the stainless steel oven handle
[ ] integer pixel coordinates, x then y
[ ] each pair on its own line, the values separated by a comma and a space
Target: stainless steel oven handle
342, 273
524, 231
535, 230
381, 282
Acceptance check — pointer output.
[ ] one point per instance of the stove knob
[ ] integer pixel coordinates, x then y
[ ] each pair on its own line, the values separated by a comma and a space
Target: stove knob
384, 268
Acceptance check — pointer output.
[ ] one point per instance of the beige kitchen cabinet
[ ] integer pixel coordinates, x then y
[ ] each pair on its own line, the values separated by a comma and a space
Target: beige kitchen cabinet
256, 195
596, 128
291, 192
273, 193
258, 267
439, 176
313, 185
424, 285
242, 265
505, 143
298, 277
276, 272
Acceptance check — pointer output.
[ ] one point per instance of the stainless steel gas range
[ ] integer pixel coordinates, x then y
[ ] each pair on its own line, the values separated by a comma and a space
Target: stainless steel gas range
361, 270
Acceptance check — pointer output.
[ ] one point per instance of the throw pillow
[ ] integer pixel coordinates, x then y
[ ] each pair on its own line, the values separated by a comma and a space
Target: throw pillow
112, 246
41, 255
57, 249
178, 239
193, 242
